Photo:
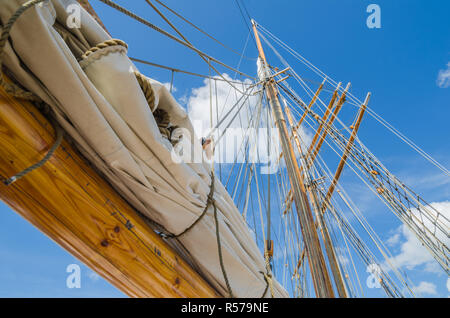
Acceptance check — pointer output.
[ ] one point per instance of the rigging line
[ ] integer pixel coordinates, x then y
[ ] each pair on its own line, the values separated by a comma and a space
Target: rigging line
229, 123
204, 32
376, 163
245, 20
183, 71
229, 112
331, 90
154, 27
217, 120
399, 214
385, 252
207, 61
333, 134
245, 141
377, 117
334, 209
235, 75
362, 158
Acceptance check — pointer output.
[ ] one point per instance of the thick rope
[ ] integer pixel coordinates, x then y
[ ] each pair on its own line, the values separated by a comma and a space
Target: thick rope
219, 247
268, 275
267, 284
147, 89
209, 202
102, 45
11, 88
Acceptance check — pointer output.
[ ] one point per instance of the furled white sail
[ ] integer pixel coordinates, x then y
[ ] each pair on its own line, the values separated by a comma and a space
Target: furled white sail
100, 104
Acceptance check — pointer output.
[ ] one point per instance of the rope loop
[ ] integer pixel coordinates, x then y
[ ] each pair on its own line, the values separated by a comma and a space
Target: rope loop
102, 45
59, 137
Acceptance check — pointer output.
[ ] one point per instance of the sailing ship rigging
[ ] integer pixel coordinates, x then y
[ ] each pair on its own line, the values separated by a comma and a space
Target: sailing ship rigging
308, 237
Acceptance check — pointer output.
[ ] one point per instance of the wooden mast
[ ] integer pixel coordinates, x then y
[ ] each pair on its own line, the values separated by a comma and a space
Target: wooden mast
332, 259
319, 272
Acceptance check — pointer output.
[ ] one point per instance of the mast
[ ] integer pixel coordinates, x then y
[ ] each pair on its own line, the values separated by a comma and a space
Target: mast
321, 279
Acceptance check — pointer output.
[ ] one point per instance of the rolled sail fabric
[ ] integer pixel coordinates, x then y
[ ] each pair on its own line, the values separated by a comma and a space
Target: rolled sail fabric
99, 102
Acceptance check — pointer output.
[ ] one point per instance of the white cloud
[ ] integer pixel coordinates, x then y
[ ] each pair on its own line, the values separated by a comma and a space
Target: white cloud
394, 240
412, 253
443, 80
167, 85
199, 106
448, 284
201, 111
425, 288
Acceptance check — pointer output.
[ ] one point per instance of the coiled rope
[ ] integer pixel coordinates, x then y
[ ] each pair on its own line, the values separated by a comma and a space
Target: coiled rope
102, 45
16, 91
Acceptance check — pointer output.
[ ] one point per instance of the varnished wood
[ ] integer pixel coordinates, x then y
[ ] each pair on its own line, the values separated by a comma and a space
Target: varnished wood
344, 157
324, 119
328, 124
332, 259
68, 201
319, 273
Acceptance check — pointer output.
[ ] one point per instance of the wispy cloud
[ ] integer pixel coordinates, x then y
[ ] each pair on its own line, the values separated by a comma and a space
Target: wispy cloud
199, 101
411, 252
425, 288
443, 80
167, 85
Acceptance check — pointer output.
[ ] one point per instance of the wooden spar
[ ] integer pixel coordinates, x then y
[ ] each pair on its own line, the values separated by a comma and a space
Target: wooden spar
336, 111
316, 259
332, 259
299, 263
73, 205
345, 154
324, 119
308, 108
311, 103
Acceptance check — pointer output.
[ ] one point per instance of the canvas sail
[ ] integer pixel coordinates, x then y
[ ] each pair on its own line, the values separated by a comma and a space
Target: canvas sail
101, 106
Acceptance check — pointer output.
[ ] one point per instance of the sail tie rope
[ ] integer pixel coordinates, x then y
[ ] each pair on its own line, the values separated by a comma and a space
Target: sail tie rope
210, 201
16, 91
150, 97
59, 138
219, 247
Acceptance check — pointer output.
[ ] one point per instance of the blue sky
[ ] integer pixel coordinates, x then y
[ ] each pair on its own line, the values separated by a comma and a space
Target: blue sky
398, 63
